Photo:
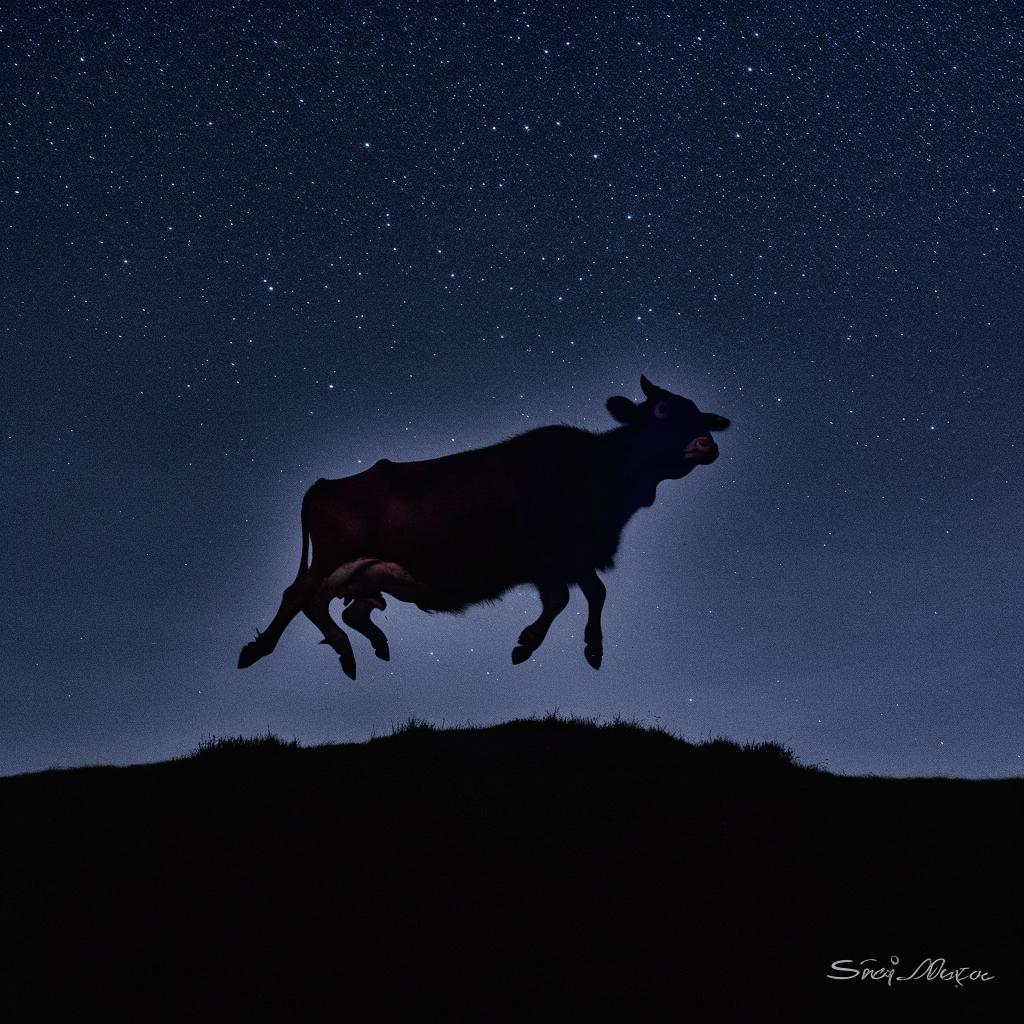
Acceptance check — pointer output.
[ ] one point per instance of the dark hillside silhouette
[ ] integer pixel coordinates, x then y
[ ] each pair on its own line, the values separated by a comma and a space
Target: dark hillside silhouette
545, 868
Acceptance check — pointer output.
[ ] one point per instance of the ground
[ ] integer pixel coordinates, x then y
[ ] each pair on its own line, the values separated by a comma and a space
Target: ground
539, 867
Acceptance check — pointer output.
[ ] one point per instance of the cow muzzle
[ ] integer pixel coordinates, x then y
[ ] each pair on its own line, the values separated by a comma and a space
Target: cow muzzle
702, 449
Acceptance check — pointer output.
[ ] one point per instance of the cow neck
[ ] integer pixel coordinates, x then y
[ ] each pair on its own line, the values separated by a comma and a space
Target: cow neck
632, 479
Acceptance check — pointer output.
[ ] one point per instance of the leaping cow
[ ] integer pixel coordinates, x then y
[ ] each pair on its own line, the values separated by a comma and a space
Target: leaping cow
545, 508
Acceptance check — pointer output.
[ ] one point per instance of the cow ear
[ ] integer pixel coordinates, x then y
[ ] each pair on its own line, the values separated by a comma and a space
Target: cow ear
623, 410
712, 421
649, 389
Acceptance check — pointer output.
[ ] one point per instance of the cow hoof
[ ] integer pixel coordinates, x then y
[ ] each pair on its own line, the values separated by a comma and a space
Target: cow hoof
520, 653
250, 654
382, 651
348, 666
593, 656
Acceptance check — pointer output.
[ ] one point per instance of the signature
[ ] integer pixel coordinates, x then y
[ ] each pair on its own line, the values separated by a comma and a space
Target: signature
930, 969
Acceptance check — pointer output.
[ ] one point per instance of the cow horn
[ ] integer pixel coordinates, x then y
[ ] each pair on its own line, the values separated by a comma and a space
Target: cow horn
649, 389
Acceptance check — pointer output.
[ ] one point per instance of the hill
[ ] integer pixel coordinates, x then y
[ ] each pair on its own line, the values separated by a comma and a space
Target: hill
542, 866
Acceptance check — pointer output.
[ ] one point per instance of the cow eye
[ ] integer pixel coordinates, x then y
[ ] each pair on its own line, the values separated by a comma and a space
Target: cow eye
661, 410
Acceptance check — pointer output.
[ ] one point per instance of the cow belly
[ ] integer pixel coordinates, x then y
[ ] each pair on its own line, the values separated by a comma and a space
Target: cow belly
457, 570
370, 577
447, 598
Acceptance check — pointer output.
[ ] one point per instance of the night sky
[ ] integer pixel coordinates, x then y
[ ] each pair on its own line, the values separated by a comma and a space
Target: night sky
242, 249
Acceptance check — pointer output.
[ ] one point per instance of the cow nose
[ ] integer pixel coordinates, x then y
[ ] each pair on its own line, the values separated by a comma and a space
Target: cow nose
702, 448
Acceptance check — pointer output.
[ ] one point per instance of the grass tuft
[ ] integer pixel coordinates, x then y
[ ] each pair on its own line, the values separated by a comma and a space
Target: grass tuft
769, 750
217, 746
413, 726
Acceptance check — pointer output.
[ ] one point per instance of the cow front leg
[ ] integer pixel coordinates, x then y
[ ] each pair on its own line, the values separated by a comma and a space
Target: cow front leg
553, 597
318, 612
594, 591
357, 616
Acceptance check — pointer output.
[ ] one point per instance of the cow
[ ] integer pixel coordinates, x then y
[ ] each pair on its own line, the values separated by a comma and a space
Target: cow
545, 508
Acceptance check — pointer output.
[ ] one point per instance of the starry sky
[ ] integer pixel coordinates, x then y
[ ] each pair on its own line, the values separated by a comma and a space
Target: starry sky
244, 247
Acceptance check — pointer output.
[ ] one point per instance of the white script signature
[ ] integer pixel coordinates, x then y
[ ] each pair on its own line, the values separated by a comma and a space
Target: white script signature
930, 969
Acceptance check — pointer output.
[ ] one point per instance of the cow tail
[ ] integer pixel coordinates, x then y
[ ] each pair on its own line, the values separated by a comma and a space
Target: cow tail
304, 559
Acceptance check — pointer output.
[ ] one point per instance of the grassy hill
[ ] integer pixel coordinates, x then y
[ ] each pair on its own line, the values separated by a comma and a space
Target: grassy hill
540, 867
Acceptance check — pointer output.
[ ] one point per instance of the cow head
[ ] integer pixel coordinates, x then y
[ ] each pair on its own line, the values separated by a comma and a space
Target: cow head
674, 434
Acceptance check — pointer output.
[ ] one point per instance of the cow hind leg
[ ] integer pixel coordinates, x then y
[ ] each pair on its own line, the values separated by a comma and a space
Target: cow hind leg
553, 597
318, 612
357, 617
292, 602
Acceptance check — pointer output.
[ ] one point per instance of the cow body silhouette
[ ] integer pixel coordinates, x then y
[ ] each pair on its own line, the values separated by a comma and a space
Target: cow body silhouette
545, 508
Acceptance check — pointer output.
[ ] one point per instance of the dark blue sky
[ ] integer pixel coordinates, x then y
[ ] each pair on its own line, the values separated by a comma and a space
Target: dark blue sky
242, 249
